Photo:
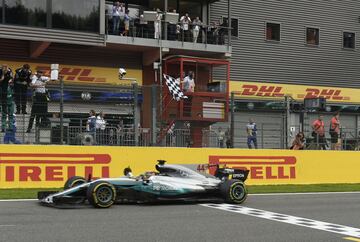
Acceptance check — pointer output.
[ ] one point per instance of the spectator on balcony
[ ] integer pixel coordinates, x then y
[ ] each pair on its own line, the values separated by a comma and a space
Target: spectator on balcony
178, 32
126, 23
251, 131
172, 29
222, 31
185, 21
116, 12
196, 28
210, 33
21, 82
143, 27
319, 132
157, 24
39, 107
6, 79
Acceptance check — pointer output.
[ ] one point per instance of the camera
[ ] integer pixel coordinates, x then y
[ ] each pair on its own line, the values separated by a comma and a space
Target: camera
122, 73
24, 74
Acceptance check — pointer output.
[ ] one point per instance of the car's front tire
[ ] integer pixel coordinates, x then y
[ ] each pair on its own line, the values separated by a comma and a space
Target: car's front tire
234, 191
74, 181
101, 194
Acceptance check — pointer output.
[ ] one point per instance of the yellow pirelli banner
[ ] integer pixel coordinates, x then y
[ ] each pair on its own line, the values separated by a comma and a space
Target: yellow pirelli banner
50, 166
82, 74
254, 90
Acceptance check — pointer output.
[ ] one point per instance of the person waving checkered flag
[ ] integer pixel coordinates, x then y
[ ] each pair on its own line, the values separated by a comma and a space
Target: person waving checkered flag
174, 88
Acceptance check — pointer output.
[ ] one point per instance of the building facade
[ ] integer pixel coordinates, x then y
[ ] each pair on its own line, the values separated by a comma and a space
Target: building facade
301, 49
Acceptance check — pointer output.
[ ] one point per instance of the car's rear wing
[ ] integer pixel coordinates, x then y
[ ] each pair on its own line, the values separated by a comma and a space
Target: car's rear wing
229, 173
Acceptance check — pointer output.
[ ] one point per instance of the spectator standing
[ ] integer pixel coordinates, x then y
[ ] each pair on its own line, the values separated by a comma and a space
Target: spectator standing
21, 82
172, 28
221, 137
196, 29
185, 22
10, 135
299, 142
91, 122
251, 131
335, 132
157, 24
143, 27
116, 10
228, 138
126, 23
100, 128
6, 79
319, 132
189, 83
39, 107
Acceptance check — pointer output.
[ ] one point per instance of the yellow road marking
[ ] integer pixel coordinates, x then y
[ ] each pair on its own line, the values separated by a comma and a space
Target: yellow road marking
352, 239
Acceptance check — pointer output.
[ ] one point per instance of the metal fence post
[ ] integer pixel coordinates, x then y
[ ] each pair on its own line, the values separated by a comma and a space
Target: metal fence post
232, 120
136, 130
153, 114
262, 136
61, 110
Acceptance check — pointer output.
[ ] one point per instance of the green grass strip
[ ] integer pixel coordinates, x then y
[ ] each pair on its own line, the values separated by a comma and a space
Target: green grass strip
254, 189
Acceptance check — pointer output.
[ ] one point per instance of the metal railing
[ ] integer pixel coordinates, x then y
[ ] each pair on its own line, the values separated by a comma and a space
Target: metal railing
207, 34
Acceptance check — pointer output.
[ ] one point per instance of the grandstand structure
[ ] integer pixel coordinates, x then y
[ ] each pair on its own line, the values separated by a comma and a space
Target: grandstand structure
83, 42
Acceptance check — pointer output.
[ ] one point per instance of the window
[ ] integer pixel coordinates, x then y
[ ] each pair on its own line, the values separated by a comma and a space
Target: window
234, 26
349, 40
312, 36
193, 8
1, 13
26, 12
273, 31
81, 15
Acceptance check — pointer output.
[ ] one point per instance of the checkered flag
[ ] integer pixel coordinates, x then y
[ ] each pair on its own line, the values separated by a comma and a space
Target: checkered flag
174, 88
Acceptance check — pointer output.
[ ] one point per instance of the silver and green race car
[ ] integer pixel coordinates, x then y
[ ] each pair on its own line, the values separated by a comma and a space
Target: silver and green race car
168, 183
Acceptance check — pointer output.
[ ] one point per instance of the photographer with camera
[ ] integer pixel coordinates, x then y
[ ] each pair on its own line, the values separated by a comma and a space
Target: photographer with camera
6, 80
21, 82
40, 100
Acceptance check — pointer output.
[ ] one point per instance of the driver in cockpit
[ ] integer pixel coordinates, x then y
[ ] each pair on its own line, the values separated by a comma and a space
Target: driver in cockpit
145, 176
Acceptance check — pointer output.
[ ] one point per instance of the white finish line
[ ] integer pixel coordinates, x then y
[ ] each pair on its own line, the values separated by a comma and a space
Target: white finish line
289, 219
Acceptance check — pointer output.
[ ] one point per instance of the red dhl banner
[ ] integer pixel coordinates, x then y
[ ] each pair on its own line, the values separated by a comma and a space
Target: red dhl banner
51, 166
82, 74
252, 90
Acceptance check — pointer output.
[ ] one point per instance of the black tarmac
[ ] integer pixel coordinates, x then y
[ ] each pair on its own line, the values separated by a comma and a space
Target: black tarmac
29, 221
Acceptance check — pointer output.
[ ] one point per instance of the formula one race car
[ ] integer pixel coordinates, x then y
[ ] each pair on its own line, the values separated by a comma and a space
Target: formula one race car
169, 183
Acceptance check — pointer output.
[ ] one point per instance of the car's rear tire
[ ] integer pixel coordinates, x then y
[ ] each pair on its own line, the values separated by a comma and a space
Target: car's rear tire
234, 191
101, 194
74, 181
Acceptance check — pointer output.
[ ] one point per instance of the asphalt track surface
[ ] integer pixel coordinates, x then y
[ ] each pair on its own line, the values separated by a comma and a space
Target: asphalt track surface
28, 221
